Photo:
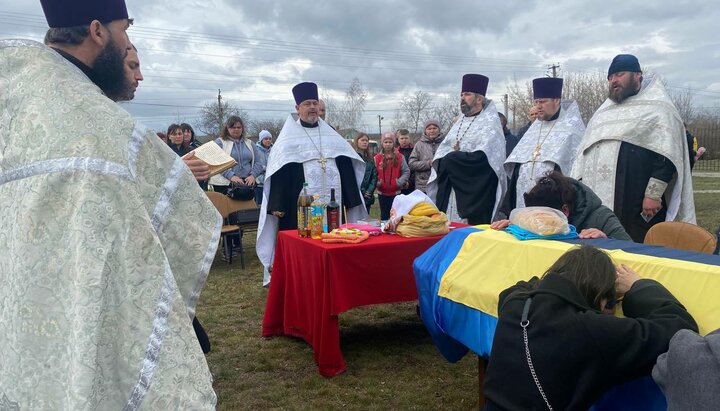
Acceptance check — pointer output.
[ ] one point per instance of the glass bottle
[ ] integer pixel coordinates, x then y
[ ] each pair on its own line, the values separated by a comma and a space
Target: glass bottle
332, 210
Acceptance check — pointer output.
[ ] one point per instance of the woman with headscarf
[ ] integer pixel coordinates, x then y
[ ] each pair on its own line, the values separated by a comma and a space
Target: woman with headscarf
422, 155
263, 145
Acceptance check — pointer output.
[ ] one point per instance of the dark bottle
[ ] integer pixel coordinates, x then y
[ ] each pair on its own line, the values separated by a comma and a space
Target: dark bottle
332, 211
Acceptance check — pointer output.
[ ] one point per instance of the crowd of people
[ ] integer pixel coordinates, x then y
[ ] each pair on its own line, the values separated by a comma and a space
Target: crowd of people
139, 234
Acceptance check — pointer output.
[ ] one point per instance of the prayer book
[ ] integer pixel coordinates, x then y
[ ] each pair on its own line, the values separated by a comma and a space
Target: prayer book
214, 156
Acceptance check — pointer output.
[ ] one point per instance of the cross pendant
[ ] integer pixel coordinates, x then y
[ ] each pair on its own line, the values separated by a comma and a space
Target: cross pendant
323, 163
456, 147
536, 153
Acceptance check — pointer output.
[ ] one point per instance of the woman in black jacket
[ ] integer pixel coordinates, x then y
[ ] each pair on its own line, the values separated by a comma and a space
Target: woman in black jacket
577, 351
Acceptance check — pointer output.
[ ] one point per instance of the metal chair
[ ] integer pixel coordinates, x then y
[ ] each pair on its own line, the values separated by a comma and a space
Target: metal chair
246, 217
682, 236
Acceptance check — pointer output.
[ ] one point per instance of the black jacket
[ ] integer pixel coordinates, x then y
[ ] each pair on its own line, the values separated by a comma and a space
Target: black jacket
578, 353
588, 212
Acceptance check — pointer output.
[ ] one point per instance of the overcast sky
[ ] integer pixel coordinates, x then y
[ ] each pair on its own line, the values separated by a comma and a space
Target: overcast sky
256, 51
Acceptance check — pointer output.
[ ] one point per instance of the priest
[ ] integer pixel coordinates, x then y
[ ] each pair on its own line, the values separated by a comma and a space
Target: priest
549, 144
106, 237
634, 155
307, 150
467, 180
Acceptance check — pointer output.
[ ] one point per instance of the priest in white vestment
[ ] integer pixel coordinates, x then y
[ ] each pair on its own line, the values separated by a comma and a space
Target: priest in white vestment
634, 155
307, 150
549, 144
467, 180
107, 239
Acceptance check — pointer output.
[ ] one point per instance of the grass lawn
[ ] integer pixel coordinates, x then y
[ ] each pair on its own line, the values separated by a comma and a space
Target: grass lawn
391, 360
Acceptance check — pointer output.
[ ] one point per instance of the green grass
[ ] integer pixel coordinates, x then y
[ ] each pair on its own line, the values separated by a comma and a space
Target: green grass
391, 360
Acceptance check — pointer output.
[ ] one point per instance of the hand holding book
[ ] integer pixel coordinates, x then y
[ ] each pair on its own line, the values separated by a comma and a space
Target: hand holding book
208, 159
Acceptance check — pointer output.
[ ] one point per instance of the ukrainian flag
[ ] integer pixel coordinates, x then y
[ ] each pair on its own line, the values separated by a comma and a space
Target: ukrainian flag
460, 277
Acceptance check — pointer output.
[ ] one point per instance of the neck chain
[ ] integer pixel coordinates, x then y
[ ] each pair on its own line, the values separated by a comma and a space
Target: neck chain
322, 160
458, 140
536, 152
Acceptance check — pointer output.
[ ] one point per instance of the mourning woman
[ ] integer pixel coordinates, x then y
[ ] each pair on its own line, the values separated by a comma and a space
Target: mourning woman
577, 349
580, 205
369, 182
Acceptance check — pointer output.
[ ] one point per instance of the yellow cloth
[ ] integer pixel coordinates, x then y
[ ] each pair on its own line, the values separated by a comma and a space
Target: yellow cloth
491, 261
423, 226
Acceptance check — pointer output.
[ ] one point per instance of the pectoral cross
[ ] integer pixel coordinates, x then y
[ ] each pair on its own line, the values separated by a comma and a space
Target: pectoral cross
536, 153
323, 163
456, 147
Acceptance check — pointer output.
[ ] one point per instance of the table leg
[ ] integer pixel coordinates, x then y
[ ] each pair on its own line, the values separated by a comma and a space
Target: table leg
482, 364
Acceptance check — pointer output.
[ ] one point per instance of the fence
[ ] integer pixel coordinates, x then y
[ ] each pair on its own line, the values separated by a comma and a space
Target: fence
708, 137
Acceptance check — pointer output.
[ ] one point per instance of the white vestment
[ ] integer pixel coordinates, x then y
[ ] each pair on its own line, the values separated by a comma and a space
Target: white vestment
106, 243
649, 120
479, 133
298, 144
544, 145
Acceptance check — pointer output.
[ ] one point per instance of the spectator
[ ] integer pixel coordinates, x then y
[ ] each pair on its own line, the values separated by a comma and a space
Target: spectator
556, 347
405, 147
189, 141
369, 182
264, 145
232, 140
393, 173
580, 205
175, 140
423, 153
689, 372
510, 139
532, 115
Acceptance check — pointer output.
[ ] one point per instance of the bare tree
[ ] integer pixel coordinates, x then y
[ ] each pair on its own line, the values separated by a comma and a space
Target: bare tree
588, 89
413, 109
272, 125
684, 102
350, 115
213, 116
446, 112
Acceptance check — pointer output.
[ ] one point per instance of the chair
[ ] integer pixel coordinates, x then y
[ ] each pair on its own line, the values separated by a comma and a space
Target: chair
246, 218
682, 236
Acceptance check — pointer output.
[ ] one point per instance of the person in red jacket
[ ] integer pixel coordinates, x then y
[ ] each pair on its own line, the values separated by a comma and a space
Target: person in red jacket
393, 172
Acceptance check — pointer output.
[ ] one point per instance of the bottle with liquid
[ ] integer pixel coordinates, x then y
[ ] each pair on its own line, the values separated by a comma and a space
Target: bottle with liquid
303, 212
332, 211
316, 218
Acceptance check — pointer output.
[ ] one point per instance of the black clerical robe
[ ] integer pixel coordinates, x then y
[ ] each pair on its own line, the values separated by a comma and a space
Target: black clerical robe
474, 182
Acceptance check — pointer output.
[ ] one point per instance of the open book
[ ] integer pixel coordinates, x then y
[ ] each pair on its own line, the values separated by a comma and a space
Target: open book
214, 156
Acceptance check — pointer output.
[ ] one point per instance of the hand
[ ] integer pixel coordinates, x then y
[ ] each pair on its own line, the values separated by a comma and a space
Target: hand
626, 277
500, 224
591, 233
651, 207
199, 168
236, 180
429, 162
406, 185
367, 195
250, 180
278, 214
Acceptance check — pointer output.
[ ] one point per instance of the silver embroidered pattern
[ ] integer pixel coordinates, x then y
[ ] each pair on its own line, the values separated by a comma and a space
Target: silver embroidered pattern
163, 205
157, 336
205, 268
62, 165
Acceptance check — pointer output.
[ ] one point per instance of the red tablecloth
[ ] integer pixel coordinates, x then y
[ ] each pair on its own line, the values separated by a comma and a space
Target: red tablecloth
313, 282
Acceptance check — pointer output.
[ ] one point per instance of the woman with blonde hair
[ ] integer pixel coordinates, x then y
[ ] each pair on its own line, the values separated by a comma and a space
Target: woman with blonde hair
233, 141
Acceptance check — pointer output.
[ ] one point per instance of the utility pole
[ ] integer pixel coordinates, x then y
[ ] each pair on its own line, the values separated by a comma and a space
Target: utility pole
220, 112
505, 99
554, 69
380, 119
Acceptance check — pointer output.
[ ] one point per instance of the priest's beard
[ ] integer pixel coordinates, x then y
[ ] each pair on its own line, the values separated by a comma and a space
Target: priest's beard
109, 70
465, 108
630, 88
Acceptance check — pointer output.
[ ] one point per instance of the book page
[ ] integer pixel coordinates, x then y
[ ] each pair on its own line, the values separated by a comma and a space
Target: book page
212, 154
